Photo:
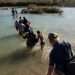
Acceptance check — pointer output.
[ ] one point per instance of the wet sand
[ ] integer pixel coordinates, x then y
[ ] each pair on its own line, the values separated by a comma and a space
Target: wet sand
23, 62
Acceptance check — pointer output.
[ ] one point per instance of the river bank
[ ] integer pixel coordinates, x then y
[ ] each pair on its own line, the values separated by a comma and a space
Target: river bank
22, 4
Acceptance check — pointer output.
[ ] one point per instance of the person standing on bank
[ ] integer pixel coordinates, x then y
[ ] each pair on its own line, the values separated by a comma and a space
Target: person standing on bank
59, 56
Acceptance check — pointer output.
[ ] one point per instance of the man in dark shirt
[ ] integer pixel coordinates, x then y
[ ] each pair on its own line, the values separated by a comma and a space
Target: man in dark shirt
56, 57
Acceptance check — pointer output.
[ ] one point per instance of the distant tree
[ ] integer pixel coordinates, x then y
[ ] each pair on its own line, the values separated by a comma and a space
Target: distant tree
54, 1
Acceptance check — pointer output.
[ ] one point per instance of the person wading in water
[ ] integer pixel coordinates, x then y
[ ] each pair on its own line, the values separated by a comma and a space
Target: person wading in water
41, 39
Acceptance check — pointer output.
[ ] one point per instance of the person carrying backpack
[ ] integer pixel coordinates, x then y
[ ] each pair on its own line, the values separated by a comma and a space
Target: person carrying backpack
31, 39
59, 56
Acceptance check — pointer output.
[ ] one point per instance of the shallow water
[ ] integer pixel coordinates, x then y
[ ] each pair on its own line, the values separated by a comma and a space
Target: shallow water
61, 24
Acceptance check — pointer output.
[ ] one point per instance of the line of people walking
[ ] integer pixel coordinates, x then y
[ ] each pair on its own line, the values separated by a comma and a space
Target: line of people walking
24, 28
61, 53
23, 25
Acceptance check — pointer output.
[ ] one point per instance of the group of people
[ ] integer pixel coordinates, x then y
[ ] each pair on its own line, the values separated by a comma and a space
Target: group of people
60, 54
23, 26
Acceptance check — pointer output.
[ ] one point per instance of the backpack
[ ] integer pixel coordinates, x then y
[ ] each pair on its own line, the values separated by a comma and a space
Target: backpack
31, 40
67, 51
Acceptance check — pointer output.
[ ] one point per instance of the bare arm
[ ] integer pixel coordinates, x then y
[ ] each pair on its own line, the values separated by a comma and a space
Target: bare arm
50, 70
51, 63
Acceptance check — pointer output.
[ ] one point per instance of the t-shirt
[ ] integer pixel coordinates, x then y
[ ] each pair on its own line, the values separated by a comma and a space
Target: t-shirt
57, 56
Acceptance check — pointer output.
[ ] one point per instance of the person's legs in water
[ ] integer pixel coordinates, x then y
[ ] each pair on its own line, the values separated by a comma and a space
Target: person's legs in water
42, 45
41, 38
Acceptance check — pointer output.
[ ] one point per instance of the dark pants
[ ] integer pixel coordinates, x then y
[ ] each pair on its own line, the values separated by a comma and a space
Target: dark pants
58, 72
